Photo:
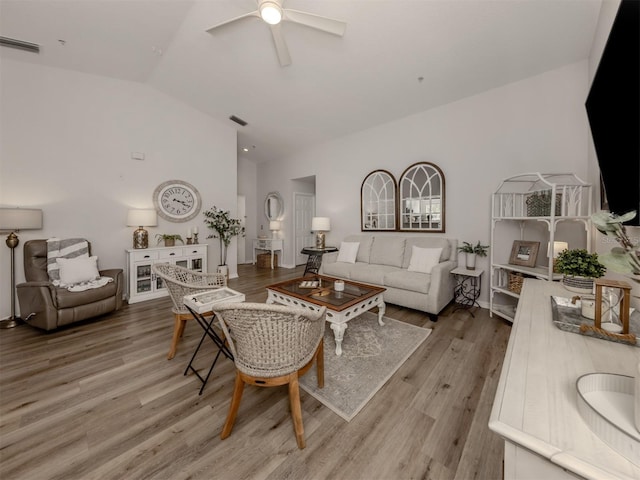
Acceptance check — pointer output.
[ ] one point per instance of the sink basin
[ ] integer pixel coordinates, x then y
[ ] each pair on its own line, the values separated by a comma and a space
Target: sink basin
606, 403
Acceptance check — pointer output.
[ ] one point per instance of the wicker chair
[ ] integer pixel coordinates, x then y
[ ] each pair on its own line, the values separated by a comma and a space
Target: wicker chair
181, 281
272, 345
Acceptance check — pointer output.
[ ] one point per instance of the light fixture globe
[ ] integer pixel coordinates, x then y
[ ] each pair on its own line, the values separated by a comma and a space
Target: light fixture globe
271, 12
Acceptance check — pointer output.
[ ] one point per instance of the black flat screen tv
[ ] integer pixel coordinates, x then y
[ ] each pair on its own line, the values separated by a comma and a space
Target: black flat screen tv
613, 108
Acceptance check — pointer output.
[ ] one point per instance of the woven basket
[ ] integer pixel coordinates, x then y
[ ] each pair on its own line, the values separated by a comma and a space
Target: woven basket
264, 260
539, 204
515, 282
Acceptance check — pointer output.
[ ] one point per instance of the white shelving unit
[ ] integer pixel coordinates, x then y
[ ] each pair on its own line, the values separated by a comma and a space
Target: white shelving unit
143, 283
531, 206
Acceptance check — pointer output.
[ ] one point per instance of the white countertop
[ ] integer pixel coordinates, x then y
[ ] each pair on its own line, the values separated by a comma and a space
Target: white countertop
536, 400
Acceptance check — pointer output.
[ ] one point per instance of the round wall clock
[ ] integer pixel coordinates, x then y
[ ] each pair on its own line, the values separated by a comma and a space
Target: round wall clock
177, 201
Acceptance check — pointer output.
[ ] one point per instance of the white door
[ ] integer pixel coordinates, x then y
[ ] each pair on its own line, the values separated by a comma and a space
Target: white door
304, 210
242, 215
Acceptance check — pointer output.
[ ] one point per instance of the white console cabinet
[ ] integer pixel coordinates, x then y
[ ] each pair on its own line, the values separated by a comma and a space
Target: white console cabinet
142, 284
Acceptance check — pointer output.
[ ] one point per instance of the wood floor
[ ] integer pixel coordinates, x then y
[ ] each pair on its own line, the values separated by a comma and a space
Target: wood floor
99, 400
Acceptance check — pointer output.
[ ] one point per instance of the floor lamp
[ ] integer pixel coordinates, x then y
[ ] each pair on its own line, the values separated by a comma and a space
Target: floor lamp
13, 220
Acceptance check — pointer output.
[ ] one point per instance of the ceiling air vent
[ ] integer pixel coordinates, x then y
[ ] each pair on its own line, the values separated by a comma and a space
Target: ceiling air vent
19, 44
238, 120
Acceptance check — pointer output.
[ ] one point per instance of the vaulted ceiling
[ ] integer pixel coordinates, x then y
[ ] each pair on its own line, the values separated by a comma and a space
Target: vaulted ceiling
397, 57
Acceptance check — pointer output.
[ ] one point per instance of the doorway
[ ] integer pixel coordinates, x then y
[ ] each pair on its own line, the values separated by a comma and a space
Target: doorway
242, 216
304, 210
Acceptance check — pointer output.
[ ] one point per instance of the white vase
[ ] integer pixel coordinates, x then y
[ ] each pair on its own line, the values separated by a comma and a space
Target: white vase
470, 260
578, 284
224, 269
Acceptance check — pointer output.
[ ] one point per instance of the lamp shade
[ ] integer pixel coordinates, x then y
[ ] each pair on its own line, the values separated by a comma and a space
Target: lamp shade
320, 224
20, 219
557, 248
142, 218
274, 225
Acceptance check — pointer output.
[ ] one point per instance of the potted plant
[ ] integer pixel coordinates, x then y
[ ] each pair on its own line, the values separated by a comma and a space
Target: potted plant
579, 269
169, 239
225, 229
473, 251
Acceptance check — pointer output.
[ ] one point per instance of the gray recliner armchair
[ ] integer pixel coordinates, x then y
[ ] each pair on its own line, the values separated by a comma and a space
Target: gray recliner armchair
46, 306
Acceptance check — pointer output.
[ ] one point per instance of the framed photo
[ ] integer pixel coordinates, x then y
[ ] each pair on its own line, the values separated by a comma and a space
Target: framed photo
524, 253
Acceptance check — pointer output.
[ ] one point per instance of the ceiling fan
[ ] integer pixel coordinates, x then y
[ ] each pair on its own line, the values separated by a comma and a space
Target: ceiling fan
272, 13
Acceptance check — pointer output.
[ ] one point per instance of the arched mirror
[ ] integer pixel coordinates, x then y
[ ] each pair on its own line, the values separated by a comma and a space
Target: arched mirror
378, 202
422, 198
273, 206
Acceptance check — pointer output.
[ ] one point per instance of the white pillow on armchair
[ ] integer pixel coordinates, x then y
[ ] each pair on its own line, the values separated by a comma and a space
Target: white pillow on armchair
77, 270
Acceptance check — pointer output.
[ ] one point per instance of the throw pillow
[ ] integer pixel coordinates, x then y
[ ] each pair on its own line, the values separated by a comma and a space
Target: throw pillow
424, 259
348, 252
78, 270
63, 248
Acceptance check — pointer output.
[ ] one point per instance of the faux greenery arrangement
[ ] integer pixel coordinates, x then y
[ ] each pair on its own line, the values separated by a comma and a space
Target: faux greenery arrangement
626, 257
225, 229
170, 237
479, 249
579, 263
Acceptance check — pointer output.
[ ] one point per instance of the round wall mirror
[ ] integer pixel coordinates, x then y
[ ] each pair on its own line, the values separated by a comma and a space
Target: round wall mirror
273, 206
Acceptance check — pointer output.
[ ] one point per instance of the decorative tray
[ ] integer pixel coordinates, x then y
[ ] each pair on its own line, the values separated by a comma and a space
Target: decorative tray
309, 284
567, 317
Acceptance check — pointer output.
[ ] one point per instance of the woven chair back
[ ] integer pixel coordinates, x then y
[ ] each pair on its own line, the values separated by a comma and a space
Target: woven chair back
271, 340
181, 281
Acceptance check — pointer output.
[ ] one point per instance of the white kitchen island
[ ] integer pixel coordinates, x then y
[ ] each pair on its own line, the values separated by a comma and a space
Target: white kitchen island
535, 408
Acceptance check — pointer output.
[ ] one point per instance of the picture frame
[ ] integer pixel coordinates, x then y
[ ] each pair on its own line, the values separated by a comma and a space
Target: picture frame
524, 253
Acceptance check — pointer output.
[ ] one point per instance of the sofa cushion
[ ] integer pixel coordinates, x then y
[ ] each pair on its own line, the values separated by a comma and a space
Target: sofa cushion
388, 251
405, 280
364, 250
67, 299
424, 259
348, 252
426, 242
337, 269
370, 273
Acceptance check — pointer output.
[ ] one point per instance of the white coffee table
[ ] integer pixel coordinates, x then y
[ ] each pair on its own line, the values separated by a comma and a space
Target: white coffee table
356, 299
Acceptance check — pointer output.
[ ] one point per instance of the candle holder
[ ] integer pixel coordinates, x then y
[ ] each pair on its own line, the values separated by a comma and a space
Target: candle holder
189, 241
195, 239
614, 294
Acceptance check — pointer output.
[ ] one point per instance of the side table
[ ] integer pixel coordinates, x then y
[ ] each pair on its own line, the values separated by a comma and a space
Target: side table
271, 244
314, 259
201, 305
468, 285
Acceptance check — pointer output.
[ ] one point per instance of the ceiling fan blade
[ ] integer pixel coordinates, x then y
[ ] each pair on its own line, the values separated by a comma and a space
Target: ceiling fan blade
227, 22
281, 46
325, 24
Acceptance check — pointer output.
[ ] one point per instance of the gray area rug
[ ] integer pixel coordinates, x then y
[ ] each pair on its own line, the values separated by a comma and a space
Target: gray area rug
371, 354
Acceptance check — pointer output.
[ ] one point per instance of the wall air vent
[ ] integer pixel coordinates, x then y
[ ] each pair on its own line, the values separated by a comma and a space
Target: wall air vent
238, 120
19, 44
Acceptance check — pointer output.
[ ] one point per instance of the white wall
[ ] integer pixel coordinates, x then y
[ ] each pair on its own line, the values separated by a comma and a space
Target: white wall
537, 124
66, 143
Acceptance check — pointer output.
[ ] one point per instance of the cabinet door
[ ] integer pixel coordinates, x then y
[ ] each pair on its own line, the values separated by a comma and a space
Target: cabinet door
142, 278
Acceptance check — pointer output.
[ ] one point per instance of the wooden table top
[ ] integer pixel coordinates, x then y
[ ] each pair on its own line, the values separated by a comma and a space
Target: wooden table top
324, 294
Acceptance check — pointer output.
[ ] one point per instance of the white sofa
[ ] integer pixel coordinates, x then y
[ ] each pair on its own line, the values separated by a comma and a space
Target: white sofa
384, 260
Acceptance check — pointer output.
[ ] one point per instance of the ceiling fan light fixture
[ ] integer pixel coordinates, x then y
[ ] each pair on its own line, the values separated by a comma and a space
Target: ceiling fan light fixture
271, 12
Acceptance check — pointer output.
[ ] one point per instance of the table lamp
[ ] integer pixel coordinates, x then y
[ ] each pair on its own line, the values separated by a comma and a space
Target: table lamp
14, 220
557, 248
141, 218
274, 226
320, 225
